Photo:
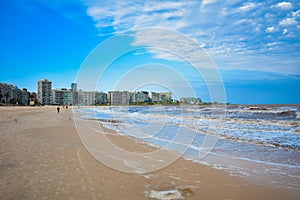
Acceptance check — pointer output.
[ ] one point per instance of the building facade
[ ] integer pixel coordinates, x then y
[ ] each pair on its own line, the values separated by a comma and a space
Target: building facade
45, 92
118, 97
166, 97
163, 97
11, 94
156, 97
139, 97
190, 100
74, 87
25, 97
62, 96
125, 97
100, 98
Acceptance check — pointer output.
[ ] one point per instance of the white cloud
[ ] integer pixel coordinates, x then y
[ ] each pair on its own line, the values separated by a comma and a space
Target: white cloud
125, 15
285, 31
271, 29
172, 45
182, 16
121, 15
205, 2
96, 11
284, 5
247, 7
296, 13
271, 44
151, 6
288, 22
244, 21
226, 29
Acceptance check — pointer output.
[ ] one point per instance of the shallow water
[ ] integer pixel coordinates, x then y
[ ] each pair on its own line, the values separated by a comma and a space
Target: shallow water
262, 143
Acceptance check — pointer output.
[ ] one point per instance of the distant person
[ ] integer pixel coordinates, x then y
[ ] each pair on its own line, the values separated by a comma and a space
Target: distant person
58, 108
66, 107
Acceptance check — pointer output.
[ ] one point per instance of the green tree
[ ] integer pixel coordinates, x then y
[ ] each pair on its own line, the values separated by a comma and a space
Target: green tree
14, 101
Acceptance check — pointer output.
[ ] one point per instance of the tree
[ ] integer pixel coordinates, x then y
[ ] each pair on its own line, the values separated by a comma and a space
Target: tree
15, 101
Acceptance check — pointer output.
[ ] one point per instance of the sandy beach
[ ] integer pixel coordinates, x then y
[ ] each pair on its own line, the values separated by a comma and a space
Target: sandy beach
42, 157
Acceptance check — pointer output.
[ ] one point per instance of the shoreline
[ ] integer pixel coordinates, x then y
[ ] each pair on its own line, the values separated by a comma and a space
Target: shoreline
157, 104
191, 158
43, 157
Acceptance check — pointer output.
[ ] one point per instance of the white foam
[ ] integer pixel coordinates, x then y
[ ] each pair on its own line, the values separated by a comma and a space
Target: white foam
298, 115
259, 132
238, 136
164, 195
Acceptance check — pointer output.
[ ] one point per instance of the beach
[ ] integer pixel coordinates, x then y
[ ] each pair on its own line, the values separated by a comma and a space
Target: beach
42, 157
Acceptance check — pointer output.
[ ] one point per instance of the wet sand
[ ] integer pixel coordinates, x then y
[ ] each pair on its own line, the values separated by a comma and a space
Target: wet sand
42, 157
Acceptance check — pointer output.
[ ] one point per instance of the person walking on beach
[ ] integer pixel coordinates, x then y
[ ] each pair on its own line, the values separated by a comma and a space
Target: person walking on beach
58, 108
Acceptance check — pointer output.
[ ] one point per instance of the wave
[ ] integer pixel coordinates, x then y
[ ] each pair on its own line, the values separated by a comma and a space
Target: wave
267, 132
252, 142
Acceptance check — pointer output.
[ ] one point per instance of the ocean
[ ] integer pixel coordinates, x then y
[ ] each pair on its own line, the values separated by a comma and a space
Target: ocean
260, 142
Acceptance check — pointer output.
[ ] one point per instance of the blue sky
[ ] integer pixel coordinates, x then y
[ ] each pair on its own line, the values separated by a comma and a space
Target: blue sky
254, 45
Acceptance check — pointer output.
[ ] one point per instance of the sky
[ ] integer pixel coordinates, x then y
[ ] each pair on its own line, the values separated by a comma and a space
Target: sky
232, 51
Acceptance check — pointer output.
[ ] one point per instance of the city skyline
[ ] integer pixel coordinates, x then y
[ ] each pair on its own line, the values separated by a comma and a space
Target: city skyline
46, 95
254, 45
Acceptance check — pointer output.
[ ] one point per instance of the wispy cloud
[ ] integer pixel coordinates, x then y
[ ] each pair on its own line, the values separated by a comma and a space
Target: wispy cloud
171, 45
296, 13
288, 22
223, 28
206, 2
125, 15
247, 7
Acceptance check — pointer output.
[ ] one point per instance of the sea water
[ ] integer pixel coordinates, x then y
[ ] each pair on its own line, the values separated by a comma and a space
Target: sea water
262, 143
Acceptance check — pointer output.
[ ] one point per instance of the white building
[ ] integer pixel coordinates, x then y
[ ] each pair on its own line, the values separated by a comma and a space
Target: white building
86, 97
161, 97
155, 96
118, 97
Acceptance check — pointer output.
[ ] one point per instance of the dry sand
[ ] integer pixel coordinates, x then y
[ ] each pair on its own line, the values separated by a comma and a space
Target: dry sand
42, 157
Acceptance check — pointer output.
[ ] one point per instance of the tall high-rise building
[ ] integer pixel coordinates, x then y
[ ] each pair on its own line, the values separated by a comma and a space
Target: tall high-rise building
25, 97
74, 93
74, 87
45, 92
